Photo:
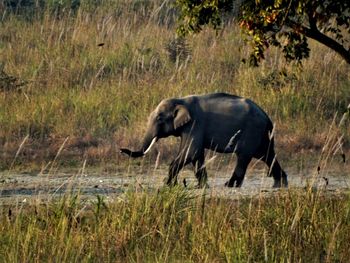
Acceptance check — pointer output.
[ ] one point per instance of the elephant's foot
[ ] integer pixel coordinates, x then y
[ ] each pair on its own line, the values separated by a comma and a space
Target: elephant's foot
235, 182
201, 186
171, 182
202, 182
229, 184
280, 183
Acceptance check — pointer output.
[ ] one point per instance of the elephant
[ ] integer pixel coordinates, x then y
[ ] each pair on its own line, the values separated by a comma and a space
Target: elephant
219, 122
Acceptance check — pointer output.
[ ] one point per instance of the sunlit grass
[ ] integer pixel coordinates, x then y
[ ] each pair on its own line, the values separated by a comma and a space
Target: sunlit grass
98, 71
94, 74
178, 225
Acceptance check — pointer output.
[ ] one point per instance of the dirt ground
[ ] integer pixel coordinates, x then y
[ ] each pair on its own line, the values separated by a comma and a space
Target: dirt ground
40, 187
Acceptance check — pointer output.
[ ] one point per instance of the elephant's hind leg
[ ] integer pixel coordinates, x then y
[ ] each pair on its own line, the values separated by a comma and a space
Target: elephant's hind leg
239, 172
266, 153
279, 176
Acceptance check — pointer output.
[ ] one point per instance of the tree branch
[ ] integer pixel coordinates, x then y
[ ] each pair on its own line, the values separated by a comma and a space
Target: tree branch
315, 34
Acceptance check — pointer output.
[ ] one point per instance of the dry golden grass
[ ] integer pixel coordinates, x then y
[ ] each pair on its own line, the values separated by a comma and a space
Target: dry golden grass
78, 88
176, 225
84, 99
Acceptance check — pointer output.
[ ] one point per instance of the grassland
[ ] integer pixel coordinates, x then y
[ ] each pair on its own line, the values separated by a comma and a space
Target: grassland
94, 73
174, 225
77, 83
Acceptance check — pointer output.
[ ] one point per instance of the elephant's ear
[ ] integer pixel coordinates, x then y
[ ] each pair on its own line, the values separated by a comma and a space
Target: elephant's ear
181, 116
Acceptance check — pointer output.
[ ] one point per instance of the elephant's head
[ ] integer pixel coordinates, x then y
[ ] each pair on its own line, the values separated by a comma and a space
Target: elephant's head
167, 119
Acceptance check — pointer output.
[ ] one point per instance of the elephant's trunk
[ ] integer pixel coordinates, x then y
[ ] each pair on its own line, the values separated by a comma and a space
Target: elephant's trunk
147, 145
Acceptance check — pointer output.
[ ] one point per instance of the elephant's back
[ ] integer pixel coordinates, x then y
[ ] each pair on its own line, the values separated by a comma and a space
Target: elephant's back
223, 103
223, 115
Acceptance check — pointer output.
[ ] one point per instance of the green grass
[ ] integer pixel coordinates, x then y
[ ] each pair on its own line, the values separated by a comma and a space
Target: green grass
176, 225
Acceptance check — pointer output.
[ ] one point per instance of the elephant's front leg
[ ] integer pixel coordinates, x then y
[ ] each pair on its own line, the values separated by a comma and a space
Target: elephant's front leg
239, 172
174, 169
200, 171
189, 151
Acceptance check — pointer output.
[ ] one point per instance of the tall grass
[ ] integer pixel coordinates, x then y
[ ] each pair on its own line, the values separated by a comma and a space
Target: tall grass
94, 73
176, 225
180, 224
97, 71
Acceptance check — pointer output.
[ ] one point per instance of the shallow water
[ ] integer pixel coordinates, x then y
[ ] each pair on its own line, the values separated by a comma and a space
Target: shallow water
24, 187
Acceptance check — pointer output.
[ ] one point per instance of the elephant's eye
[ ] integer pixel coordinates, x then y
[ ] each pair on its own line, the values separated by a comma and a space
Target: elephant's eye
159, 118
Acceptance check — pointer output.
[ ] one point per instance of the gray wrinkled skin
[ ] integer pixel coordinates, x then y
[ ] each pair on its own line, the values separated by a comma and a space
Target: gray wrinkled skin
220, 122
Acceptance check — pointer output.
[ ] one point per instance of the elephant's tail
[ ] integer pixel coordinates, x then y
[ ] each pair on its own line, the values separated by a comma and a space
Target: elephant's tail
267, 143
270, 130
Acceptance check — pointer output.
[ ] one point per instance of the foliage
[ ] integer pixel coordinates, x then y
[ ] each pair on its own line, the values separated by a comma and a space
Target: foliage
286, 24
195, 14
